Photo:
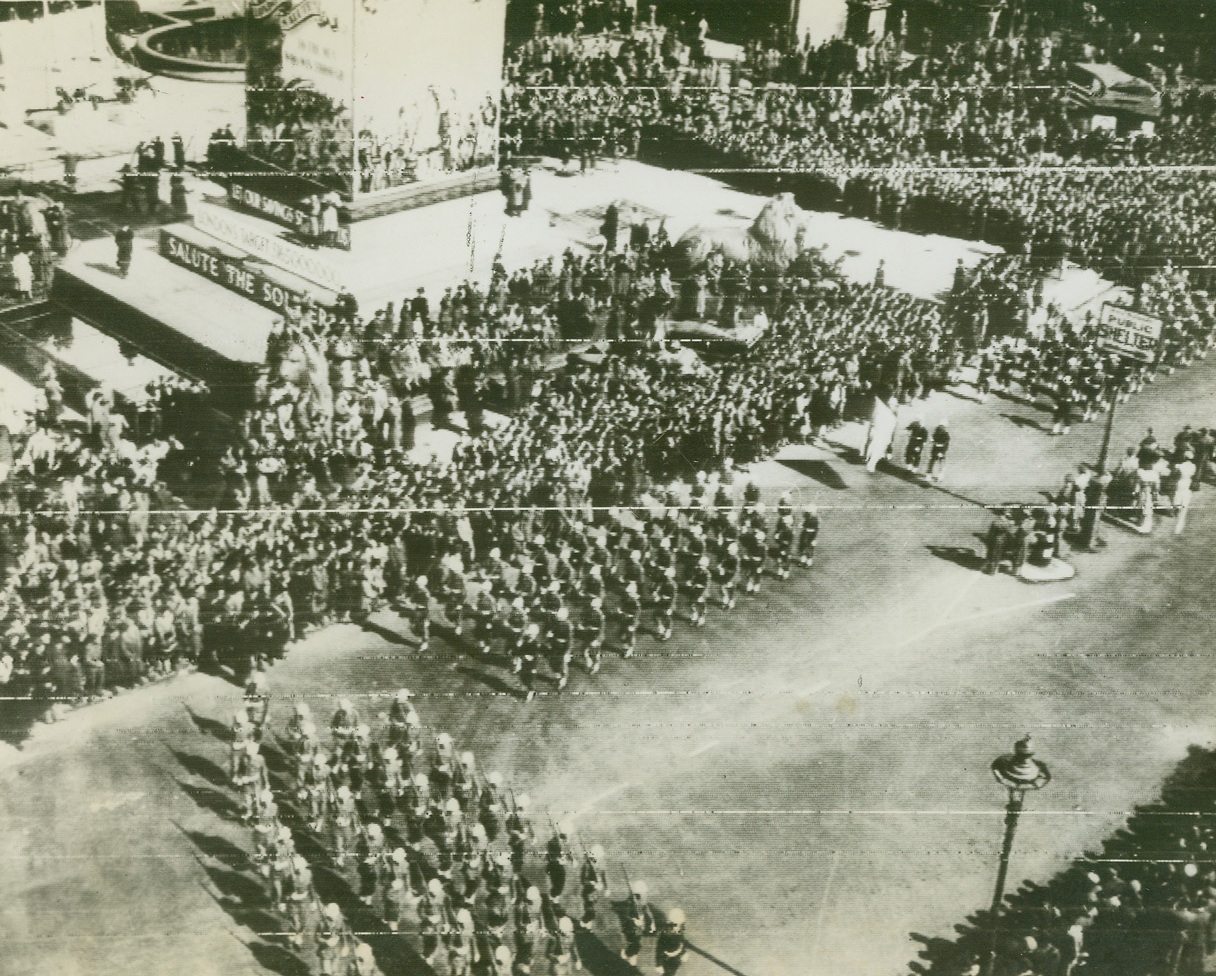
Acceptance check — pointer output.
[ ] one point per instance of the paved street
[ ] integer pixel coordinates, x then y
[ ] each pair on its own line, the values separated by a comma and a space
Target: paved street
810, 771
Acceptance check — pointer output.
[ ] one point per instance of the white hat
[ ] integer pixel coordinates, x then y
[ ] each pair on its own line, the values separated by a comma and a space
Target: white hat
333, 912
565, 925
421, 780
443, 740
640, 889
502, 955
596, 852
533, 894
404, 695
522, 801
565, 828
435, 887
466, 758
373, 830
390, 753
301, 708
346, 704
494, 779
675, 917
452, 806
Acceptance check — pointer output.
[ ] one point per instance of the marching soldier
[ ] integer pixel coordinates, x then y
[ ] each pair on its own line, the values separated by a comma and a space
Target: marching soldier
483, 612
783, 545
638, 922
558, 857
665, 595
344, 724
808, 536
594, 882
563, 952
530, 650
491, 804
298, 893
561, 645
399, 715
464, 781
630, 612
727, 575
752, 559
671, 946
251, 778
330, 935
515, 626
698, 591
345, 817
937, 452
501, 961
592, 630
363, 961
416, 608
519, 831
918, 436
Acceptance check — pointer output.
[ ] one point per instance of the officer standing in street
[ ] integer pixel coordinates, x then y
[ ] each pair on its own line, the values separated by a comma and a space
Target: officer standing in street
124, 242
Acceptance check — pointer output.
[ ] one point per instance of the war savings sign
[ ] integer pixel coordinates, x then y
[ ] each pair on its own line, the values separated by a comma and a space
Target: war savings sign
233, 274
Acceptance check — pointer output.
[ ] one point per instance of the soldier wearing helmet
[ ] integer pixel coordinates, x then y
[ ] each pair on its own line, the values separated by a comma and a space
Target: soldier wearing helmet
592, 630
726, 574
561, 645
594, 882
808, 536
563, 952
345, 723
671, 946
330, 934
630, 613
665, 594
636, 923
559, 856
415, 607
491, 803
519, 830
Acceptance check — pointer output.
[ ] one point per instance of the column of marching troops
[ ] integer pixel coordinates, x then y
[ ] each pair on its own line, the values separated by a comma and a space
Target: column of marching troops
444, 855
579, 588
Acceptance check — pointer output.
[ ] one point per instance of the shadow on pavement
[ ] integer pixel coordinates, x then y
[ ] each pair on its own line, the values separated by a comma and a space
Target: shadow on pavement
598, 959
201, 767
1026, 422
209, 726
218, 848
959, 555
820, 471
221, 804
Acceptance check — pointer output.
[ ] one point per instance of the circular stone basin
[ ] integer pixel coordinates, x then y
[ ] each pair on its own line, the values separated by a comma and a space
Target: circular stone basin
203, 50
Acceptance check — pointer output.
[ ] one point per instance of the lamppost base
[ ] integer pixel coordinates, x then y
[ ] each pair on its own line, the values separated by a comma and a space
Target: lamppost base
1055, 571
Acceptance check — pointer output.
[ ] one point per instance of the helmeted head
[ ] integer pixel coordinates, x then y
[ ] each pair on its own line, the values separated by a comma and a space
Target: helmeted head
565, 925
675, 918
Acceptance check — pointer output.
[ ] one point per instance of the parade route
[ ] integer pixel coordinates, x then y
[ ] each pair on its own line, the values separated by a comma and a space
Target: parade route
808, 771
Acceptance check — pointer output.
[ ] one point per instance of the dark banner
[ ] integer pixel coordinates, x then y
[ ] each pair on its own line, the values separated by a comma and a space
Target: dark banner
233, 274
317, 219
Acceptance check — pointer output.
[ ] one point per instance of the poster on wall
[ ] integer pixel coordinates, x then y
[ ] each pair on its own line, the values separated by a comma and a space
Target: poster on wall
299, 90
427, 85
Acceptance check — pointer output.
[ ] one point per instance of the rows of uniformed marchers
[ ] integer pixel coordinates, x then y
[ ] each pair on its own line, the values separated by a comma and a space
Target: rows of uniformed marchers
424, 855
602, 495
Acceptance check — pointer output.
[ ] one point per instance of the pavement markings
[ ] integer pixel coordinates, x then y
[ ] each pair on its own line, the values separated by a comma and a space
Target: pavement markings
823, 905
591, 804
1057, 598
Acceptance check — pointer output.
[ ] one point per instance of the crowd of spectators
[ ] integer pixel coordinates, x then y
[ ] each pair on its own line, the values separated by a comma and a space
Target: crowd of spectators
1142, 905
33, 234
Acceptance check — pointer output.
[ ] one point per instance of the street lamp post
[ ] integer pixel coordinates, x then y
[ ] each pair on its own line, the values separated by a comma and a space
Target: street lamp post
1020, 773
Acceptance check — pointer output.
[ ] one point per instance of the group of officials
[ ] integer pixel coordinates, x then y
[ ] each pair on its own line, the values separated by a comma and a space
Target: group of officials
429, 848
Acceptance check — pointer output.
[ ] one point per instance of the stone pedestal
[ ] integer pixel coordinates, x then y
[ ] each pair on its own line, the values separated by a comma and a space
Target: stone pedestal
867, 20
818, 20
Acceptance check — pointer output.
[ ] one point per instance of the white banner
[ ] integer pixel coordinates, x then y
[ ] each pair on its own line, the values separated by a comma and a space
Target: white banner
262, 244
